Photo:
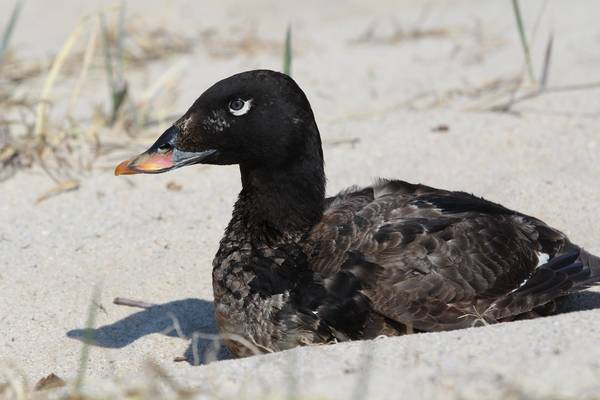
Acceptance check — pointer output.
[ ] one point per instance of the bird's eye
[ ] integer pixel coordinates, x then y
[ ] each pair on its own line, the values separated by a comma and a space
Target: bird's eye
163, 148
239, 107
236, 105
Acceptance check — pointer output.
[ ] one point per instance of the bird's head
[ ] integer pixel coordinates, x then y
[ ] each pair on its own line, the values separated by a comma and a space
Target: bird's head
258, 119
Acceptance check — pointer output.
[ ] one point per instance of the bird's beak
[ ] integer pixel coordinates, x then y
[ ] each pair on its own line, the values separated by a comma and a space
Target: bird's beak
146, 163
162, 156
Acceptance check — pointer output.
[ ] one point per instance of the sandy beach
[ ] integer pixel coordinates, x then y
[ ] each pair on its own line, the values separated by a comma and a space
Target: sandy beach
402, 90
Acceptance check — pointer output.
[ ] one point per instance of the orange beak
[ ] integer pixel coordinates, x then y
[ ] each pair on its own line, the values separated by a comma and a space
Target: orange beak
163, 156
146, 163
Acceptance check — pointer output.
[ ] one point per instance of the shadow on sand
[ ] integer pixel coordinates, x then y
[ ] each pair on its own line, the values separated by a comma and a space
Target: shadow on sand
192, 315
195, 315
580, 301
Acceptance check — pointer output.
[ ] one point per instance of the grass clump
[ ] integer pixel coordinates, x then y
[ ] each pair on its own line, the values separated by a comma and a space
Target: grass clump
54, 128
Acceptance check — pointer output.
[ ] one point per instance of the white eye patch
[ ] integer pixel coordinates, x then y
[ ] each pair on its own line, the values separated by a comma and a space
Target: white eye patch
240, 107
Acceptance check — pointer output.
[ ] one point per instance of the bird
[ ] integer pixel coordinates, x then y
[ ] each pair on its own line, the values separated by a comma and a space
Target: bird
297, 268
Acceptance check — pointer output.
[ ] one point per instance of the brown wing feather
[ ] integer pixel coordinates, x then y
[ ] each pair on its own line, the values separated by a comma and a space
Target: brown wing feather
446, 258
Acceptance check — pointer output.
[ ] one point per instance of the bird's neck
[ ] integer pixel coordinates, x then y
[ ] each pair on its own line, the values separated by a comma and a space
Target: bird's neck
281, 204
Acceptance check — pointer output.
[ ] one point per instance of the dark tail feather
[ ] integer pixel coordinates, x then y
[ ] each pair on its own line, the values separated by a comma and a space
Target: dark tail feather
569, 272
592, 263
561, 273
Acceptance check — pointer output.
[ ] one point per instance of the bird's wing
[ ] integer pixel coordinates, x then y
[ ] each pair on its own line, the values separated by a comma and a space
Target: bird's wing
438, 259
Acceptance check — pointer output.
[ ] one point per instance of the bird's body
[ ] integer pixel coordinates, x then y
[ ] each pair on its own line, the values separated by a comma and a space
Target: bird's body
390, 259
295, 268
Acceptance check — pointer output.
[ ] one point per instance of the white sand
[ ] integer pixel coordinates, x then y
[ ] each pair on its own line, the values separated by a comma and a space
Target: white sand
137, 239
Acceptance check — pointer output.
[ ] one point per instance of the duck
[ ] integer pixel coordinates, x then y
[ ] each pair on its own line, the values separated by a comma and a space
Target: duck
297, 268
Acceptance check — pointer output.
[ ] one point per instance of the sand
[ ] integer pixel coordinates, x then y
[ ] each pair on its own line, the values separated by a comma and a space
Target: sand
133, 237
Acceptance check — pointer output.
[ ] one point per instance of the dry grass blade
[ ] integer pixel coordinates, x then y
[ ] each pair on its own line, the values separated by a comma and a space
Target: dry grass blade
62, 187
478, 317
41, 110
121, 301
29, 133
538, 92
196, 336
13, 384
85, 66
146, 109
147, 46
7, 153
399, 34
254, 348
181, 392
336, 142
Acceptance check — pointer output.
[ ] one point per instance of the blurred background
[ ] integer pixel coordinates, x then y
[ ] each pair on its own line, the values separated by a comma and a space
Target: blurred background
80, 80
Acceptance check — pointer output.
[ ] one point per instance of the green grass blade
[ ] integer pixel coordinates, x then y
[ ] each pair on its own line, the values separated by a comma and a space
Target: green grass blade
524, 44
8, 31
547, 61
121, 34
120, 84
107, 53
287, 52
87, 338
